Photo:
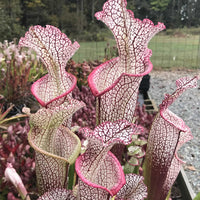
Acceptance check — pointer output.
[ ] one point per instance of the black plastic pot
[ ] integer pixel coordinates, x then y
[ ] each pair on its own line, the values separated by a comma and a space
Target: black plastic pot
184, 186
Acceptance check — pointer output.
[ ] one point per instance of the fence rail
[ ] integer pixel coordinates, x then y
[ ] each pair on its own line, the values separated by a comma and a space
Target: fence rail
177, 51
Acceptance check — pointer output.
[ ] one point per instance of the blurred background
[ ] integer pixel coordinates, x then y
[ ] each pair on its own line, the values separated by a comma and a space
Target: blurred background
177, 46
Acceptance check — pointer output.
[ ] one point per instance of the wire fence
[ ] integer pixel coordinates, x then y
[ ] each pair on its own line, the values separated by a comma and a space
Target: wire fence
177, 51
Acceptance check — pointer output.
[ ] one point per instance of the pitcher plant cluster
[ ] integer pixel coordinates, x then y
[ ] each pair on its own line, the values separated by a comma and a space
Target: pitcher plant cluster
98, 174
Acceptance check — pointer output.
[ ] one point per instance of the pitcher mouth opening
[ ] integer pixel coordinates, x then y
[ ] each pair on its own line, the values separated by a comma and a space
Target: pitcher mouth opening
93, 86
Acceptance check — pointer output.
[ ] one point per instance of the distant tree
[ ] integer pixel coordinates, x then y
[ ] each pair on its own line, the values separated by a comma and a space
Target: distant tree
10, 20
141, 8
34, 12
191, 10
197, 13
182, 13
76, 17
70, 20
158, 7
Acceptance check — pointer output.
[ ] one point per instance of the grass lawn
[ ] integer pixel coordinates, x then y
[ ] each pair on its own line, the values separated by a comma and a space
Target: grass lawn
168, 51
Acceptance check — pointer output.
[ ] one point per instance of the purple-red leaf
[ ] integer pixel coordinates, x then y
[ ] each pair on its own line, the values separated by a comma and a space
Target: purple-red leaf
134, 189
55, 49
58, 194
116, 82
98, 167
168, 133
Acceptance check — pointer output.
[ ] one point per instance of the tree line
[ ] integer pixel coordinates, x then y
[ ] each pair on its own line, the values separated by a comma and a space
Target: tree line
76, 17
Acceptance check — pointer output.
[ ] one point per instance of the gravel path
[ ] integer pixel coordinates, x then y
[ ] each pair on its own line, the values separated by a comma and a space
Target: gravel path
188, 108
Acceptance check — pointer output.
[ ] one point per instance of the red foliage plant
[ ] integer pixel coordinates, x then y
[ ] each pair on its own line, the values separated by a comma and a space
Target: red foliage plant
16, 150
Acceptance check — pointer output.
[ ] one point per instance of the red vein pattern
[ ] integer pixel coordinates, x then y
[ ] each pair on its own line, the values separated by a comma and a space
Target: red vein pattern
115, 83
134, 189
58, 194
106, 178
168, 133
120, 101
54, 49
55, 145
98, 168
90, 193
51, 172
112, 132
132, 35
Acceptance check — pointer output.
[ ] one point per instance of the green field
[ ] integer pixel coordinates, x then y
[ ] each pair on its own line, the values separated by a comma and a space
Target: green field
168, 51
